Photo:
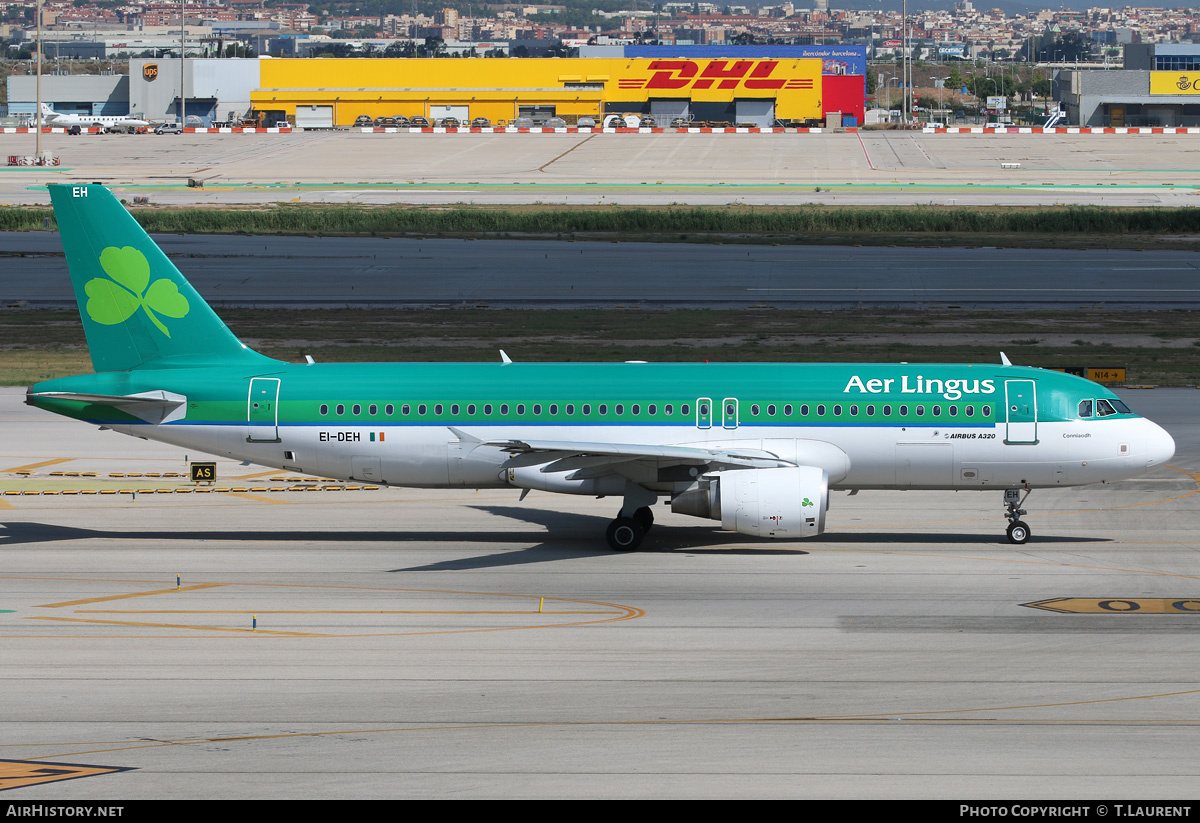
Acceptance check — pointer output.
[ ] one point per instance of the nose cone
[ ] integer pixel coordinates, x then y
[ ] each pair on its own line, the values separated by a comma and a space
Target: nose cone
1160, 446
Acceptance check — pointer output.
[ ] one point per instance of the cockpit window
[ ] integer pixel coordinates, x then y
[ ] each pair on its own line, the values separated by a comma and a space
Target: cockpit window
1104, 408
1085, 408
1120, 406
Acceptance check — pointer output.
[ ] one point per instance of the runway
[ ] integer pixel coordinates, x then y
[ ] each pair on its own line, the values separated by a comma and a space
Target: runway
462, 644
295, 272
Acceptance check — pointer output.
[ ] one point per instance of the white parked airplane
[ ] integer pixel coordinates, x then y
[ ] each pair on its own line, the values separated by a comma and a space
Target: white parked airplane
100, 121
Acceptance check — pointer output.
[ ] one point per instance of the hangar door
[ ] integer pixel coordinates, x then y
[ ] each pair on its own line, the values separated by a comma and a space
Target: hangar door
664, 111
760, 113
458, 112
314, 117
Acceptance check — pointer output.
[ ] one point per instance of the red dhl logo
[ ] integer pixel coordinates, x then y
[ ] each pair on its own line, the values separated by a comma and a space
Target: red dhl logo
721, 74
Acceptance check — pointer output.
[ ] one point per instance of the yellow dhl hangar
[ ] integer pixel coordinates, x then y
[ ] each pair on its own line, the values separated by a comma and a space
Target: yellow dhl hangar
323, 93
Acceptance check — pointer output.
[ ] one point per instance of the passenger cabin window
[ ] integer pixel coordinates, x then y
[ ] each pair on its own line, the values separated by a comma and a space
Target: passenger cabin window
770, 410
373, 409
357, 409
324, 408
389, 409
1085, 408
787, 410
685, 409
341, 409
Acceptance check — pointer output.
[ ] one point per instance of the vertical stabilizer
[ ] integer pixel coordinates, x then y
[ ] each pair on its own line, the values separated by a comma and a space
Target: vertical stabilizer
137, 309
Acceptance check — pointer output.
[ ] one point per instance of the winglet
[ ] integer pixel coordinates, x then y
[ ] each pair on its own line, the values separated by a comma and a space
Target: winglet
504, 357
1004, 359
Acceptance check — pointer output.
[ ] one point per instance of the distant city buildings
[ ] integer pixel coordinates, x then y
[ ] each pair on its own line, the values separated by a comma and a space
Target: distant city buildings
287, 29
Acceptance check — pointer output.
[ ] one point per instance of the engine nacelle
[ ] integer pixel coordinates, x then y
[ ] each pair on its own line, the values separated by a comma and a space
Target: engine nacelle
788, 502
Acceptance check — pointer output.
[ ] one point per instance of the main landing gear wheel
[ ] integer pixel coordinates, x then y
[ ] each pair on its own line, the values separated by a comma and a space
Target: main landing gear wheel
1018, 532
624, 534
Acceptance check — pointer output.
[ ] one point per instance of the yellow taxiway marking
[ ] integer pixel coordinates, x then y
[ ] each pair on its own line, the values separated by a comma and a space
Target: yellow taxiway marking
93, 621
259, 474
32, 466
15, 774
605, 612
4, 504
1118, 605
258, 498
197, 587
341, 611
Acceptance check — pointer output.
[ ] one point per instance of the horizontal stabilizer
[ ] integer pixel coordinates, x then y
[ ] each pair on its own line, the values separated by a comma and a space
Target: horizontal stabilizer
151, 406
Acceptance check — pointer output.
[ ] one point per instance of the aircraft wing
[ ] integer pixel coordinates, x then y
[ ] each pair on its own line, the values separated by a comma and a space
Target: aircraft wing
571, 454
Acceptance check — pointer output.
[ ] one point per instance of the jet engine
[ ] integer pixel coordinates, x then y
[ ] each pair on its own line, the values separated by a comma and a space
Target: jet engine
788, 502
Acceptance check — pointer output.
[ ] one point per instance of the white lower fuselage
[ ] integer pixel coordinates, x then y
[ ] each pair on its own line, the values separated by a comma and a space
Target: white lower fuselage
879, 457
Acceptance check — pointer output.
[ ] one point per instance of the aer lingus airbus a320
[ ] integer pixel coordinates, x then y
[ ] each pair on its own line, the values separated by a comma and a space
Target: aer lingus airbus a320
757, 446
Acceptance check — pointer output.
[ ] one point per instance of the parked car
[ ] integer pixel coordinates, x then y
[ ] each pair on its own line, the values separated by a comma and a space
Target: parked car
586, 123
449, 122
648, 121
401, 120
481, 123
556, 123
523, 123
419, 121
385, 121
168, 128
75, 129
680, 122
363, 120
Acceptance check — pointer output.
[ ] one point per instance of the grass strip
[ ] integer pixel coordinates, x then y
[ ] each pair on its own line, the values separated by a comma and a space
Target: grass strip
807, 223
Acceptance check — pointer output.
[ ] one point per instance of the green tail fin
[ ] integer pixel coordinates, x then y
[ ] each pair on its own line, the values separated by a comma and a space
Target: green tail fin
138, 311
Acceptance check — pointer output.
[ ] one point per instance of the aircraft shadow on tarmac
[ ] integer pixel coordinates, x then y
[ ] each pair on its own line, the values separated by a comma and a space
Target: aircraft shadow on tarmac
571, 536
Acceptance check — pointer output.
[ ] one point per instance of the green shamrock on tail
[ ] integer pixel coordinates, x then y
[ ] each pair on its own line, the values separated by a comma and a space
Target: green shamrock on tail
115, 301
806, 502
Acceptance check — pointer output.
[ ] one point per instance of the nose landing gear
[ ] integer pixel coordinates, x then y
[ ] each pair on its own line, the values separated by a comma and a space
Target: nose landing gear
1018, 530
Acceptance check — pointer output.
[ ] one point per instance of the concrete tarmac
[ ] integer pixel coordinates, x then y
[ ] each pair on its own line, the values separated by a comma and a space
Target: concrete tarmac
462, 644
853, 168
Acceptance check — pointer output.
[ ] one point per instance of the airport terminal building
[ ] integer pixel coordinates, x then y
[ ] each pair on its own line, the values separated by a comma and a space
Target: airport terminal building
1158, 86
